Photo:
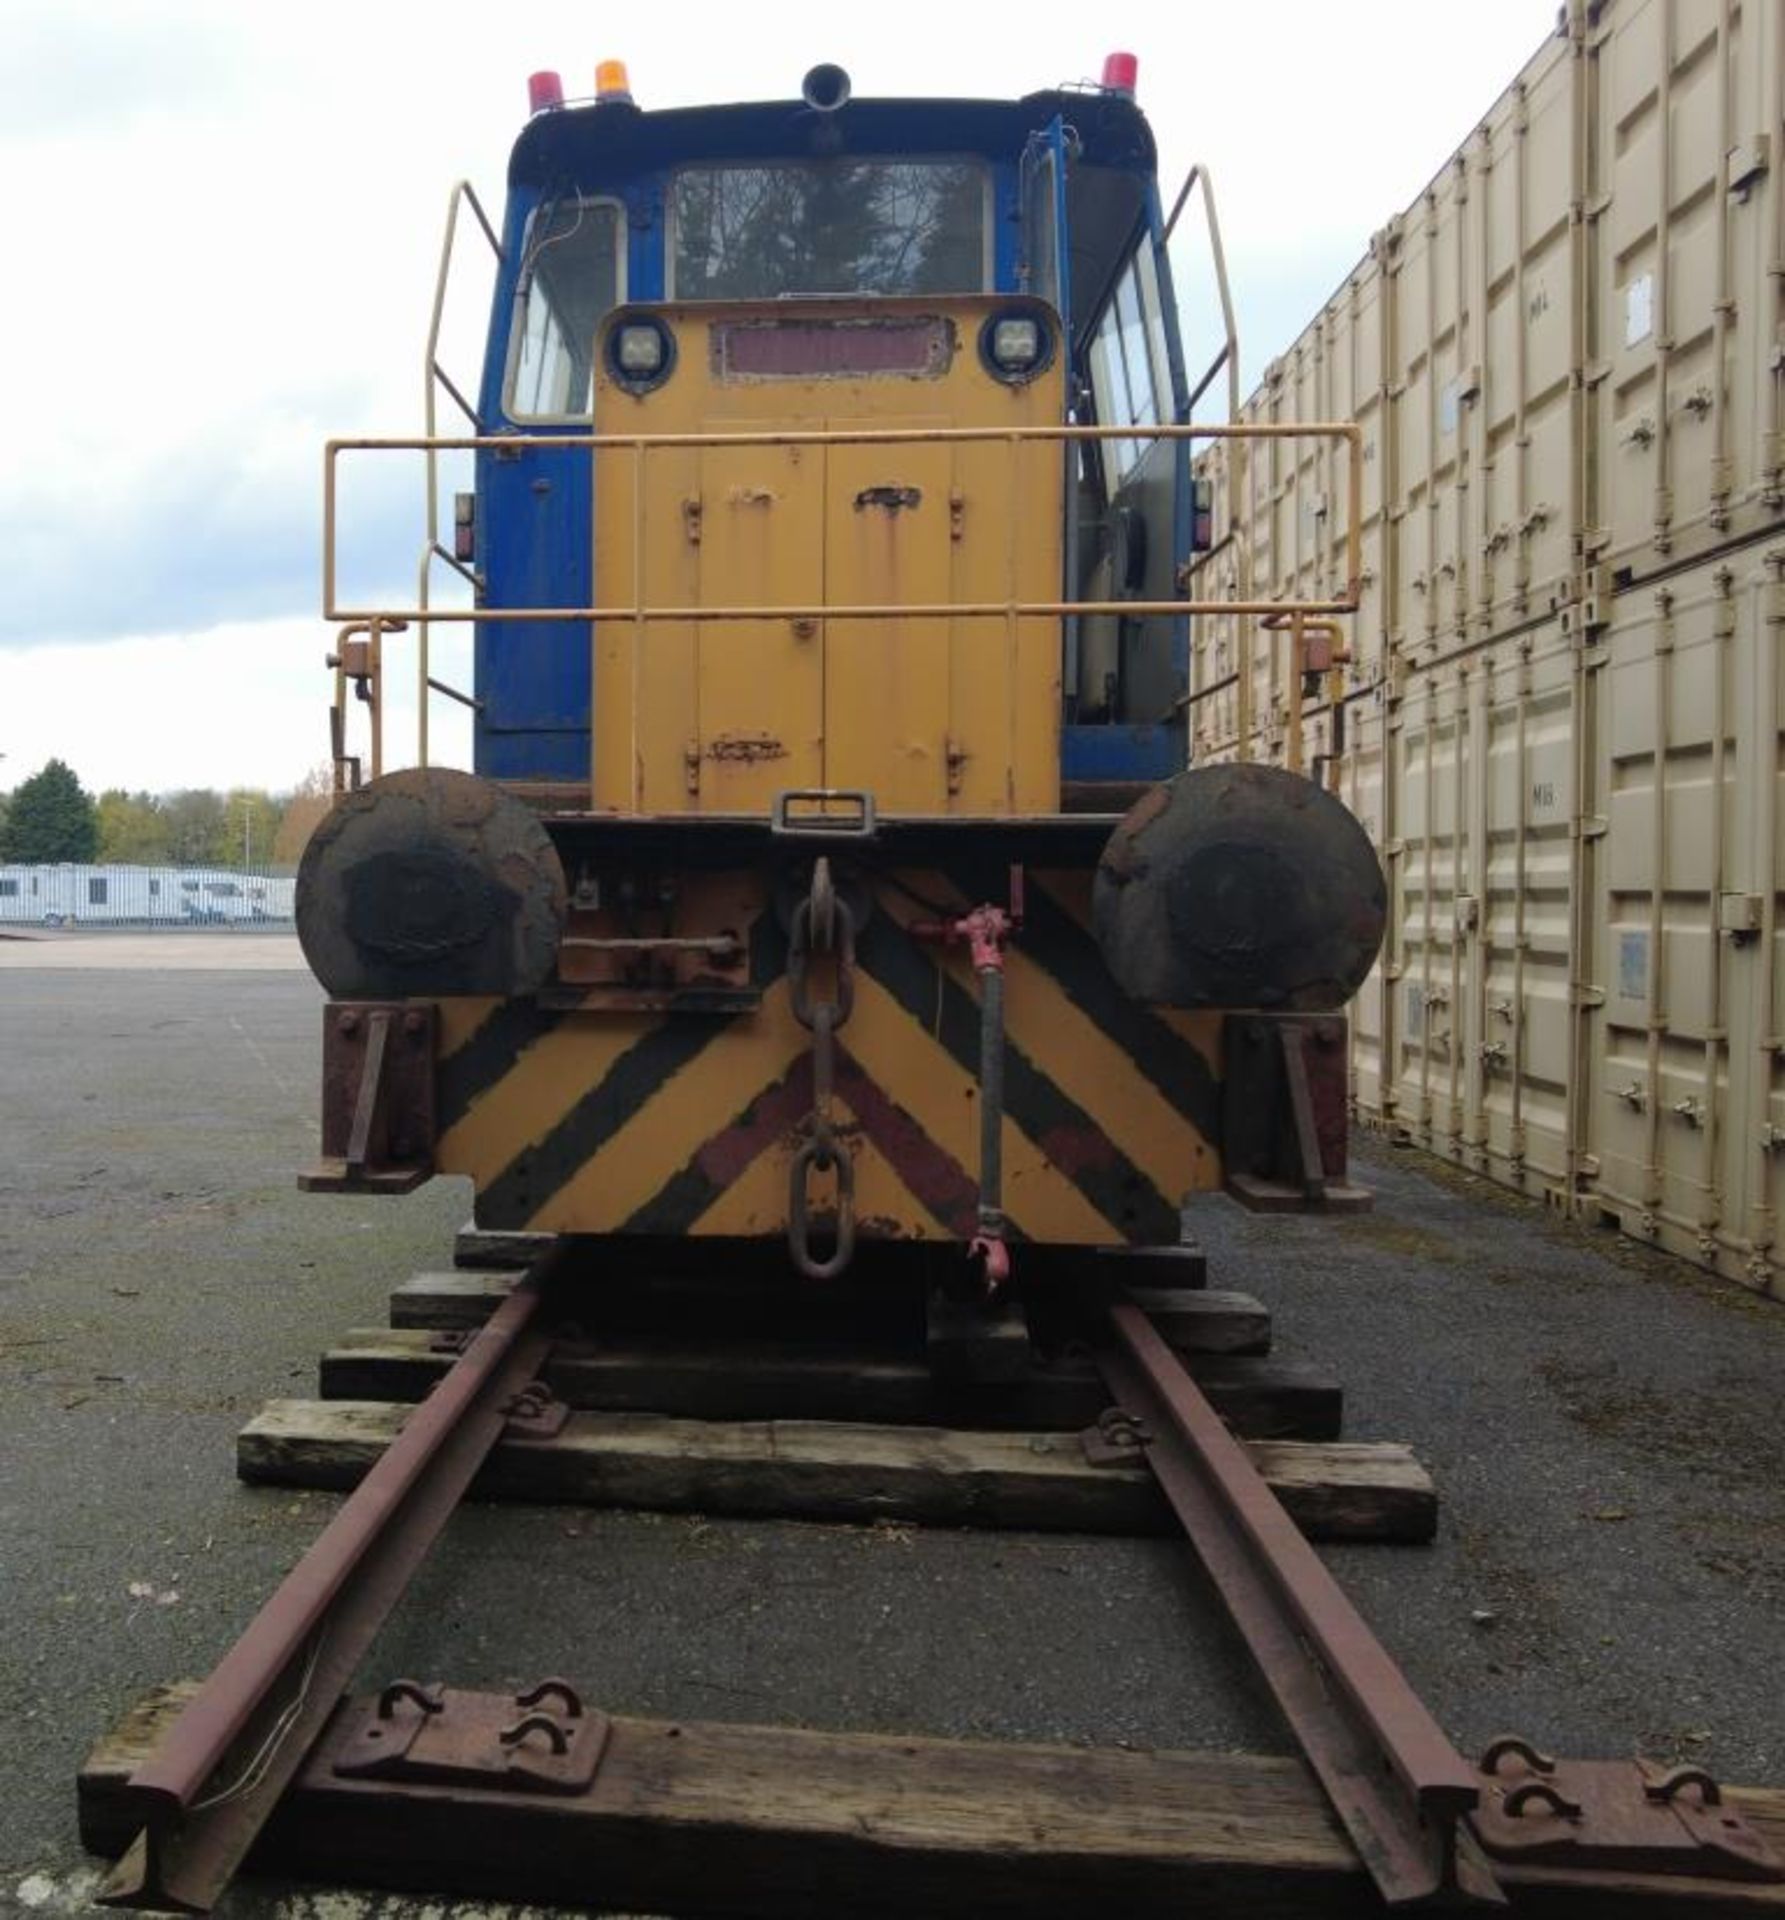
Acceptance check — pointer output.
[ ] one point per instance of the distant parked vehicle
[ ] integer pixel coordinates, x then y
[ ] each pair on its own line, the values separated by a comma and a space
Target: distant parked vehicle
117, 895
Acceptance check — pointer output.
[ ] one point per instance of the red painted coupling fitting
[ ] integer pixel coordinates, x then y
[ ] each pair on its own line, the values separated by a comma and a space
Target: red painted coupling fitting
993, 1250
985, 931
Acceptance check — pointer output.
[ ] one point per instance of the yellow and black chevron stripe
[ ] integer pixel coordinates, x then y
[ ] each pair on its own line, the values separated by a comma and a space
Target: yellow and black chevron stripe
576, 1121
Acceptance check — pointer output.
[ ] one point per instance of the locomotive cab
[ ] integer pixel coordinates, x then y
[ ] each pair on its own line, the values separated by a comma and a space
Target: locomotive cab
856, 264
832, 542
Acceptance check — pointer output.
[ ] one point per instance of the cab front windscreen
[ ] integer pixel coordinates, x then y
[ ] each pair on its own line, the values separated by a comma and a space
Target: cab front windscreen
759, 231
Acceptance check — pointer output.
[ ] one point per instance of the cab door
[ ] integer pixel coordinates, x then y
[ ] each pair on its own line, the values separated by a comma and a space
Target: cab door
706, 715
759, 702
887, 542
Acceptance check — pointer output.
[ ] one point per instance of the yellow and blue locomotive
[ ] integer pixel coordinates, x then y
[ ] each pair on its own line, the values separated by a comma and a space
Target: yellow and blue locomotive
829, 872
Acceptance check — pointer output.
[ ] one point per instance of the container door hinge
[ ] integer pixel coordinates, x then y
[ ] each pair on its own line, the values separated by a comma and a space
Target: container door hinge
1741, 915
1748, 162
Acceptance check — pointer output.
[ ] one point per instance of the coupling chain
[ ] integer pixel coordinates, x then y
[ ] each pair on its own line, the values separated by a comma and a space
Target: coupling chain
822, 924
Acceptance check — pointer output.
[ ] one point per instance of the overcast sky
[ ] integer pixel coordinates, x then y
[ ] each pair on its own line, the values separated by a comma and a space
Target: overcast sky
222, 228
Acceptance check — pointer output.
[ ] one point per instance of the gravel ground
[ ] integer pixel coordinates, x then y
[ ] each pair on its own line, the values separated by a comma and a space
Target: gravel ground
1604, 1424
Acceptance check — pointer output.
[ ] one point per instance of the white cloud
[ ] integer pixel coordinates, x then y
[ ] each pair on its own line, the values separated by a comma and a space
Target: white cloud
230, 217
239, 705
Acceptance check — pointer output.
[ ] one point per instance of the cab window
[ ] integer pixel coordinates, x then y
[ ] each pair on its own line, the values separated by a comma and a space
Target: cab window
1041, 225
572, 273
854, 226
1130, 375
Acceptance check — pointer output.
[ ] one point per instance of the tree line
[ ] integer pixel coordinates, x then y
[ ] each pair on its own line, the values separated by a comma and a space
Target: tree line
51, 817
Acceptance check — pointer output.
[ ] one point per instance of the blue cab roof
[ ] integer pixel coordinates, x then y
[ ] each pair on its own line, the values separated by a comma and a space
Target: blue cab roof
598, 139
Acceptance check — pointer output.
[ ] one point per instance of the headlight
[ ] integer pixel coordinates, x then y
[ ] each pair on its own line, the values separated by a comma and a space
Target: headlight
1016, 343
639, 349
1016, 346
640, 354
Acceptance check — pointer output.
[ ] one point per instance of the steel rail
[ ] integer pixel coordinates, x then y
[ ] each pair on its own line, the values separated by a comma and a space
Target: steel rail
1400, 1788
214, 1780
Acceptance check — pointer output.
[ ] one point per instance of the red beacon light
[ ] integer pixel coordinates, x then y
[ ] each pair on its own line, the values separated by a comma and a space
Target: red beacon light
544, 91
611, 84
1120, 72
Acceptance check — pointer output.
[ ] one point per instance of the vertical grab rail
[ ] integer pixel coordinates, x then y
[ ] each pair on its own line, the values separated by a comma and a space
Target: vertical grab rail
1229, 356
434, 377
1239, 467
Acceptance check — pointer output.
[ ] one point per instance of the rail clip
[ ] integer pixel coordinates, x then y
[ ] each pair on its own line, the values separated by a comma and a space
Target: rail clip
544, 1740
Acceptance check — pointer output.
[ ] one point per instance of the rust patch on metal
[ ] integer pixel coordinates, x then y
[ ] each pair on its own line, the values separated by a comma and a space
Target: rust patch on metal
892, 498
1076, 1150
920, 348
746, 747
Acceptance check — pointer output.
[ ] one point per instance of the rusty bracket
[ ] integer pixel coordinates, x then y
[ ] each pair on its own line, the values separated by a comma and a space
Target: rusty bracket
1613, 1817
1284, 1113
1301, 1107
544, 1740
535, 1413
378, 1112
1115, 1441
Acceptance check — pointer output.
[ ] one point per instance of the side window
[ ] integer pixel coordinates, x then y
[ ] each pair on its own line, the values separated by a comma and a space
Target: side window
571, 274
1041, 227
96, 893
9, 889
1130, 376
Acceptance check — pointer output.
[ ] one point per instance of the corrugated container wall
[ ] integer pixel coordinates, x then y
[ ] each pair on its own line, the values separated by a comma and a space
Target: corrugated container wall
1561, 714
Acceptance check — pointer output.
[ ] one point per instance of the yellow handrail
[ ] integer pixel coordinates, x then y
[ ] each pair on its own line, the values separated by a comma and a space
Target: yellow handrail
390, 619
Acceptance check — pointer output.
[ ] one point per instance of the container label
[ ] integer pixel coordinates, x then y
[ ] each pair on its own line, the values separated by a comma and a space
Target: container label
1633, 966
1639, 309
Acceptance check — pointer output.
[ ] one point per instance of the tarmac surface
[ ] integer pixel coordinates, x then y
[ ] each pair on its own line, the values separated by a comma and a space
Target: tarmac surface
1605, 1426
166, 950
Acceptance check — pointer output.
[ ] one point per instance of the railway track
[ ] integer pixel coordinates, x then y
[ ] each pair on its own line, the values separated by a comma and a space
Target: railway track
1128, 1398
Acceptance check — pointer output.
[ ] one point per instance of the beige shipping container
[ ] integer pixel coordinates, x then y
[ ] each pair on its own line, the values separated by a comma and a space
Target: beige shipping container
1584, 984
1583, 988
1561, 717
1568, 355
